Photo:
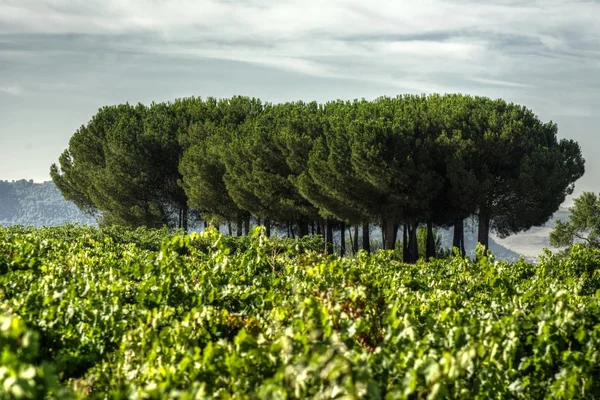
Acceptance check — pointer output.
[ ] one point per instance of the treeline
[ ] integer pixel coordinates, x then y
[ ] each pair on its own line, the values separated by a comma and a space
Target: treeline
397, 162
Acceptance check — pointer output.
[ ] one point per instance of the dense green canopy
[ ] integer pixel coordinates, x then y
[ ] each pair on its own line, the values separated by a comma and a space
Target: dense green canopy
124, 165
402, 161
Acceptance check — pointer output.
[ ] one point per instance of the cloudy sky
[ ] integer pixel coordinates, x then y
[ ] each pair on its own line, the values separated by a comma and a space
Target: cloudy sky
60, 60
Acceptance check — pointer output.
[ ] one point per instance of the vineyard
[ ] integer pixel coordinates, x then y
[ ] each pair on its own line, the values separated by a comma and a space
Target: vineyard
112, 313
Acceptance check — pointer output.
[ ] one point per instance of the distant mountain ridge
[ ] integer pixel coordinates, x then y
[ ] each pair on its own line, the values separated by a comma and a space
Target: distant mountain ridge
24, 202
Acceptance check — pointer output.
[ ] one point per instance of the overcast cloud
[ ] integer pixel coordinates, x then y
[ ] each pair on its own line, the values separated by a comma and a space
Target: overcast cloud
61, 60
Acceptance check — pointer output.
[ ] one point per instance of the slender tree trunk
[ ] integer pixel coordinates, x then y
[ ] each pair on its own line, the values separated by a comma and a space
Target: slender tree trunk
483, 233
206, 225
247, 225
351, 240
462, 242
458, 239
343, 240
229, 227
414, 250
267, 228
366, 239
405, 249
302, 227
383, 229
180, 219
291, 230
413, 244
239, 226
458, 224
390, 235
329, 242
319, 228
355, 241
430, 247
312, 227
185, 217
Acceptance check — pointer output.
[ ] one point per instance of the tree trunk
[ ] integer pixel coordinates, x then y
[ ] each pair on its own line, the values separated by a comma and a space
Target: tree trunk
462, 241
302, 227
458, 239
383, 229
390, 235
312, 227
405, 249
413, 244
319, 227
239, 226
351, 240
247, 225
483, 233
329, 242
355, 242
291, 230
414, 248
366, 239
185, 218
430, 247
267, 228
229, 227
343, 240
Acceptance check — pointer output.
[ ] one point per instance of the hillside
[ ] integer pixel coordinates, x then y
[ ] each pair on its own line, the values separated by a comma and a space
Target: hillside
37, 204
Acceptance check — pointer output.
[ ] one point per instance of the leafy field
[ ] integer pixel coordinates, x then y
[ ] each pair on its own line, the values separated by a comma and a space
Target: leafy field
146, 314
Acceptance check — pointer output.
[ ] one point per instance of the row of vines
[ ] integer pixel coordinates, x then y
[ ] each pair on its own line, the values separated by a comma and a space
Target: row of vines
90, 313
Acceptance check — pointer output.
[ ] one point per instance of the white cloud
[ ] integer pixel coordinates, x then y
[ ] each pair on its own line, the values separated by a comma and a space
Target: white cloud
73, 56
12, 89
497, 82
291, 20
420, 45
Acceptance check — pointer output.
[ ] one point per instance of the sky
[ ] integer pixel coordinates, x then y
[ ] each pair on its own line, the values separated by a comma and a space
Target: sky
61, 60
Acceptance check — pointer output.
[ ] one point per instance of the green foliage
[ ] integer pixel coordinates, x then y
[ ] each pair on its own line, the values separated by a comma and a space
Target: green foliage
405, 160
583, 224
22, 376
124, 165
207, 143
264, 159
206, 315
328, 181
